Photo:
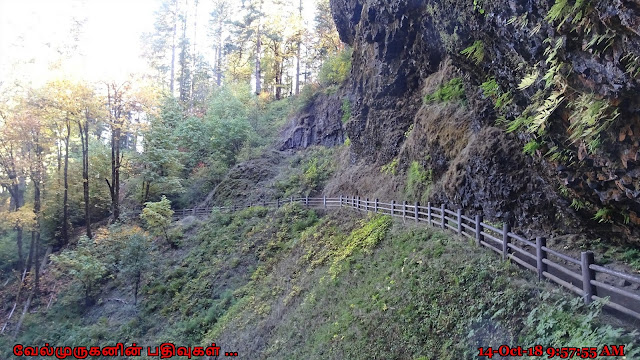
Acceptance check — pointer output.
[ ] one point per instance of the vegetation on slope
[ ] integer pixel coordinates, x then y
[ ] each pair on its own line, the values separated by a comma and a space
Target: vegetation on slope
293, 283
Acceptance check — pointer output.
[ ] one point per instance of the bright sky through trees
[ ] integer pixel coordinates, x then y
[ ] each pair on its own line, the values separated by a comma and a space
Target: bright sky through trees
33, 33
37, 38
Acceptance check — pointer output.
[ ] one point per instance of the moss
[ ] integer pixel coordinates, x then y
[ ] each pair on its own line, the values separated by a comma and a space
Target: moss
419, 182
390, 168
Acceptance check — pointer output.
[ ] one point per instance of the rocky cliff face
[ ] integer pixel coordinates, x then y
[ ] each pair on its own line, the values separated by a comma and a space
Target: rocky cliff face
568, 70
318, 123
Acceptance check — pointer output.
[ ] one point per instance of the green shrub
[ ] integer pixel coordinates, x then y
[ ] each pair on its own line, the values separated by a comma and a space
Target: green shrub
158, 217
83, 265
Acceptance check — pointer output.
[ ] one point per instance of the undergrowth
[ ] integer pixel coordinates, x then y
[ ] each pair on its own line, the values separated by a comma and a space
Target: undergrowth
293, 284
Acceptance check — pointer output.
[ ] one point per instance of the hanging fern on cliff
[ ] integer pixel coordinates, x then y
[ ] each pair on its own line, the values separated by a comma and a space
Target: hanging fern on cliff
562, 11
589, 119
475, 52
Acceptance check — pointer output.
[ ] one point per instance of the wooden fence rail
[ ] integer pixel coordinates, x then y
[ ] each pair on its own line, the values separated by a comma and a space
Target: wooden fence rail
581, 276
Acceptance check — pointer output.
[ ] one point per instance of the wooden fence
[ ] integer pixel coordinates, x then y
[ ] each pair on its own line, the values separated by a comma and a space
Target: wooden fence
581, 276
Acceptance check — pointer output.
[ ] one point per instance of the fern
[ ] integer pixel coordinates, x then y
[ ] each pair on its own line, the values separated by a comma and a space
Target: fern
531, 147
536, 29
564, 191
557, 11
529, 80
597, 39
490, 88
451, 91
538, 124
561, 11
603, 215
577, 204
590, 118
503, 100
475, 52
521, 21
633, 64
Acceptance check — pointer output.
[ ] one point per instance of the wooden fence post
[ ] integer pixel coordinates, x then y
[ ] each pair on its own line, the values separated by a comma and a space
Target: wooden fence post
340, 200
404, 210
459, 213
417, 205
278, 203
366, 205
393, 207
429, 213
587, 275
375, 206
306, 201
324, 201
506, 229
540, 255
194, 211
444, 216
479, 236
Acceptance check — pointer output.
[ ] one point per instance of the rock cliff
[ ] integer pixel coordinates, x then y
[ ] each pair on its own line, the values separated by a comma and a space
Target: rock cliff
565, 71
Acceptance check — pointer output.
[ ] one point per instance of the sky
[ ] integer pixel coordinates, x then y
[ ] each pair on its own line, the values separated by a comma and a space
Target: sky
34, 34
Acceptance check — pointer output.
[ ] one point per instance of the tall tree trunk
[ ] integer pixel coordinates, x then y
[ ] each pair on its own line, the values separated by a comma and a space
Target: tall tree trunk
298, 56
258, 69
84, 139
115, 175
116, 109
19, 244
65, 198
194, 56
219, 58
278, 70
184, 76
173, 48
35, 235
17, 197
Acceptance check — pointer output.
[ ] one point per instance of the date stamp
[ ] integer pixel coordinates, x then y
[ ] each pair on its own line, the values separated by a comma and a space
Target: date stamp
553, 352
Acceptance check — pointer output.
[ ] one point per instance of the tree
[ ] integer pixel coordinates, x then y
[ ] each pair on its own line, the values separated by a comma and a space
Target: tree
158, 216
13, 176
161, 160
90, 111
83, 265
119, 111
219, 17
160, 49
299, 47
134, 260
